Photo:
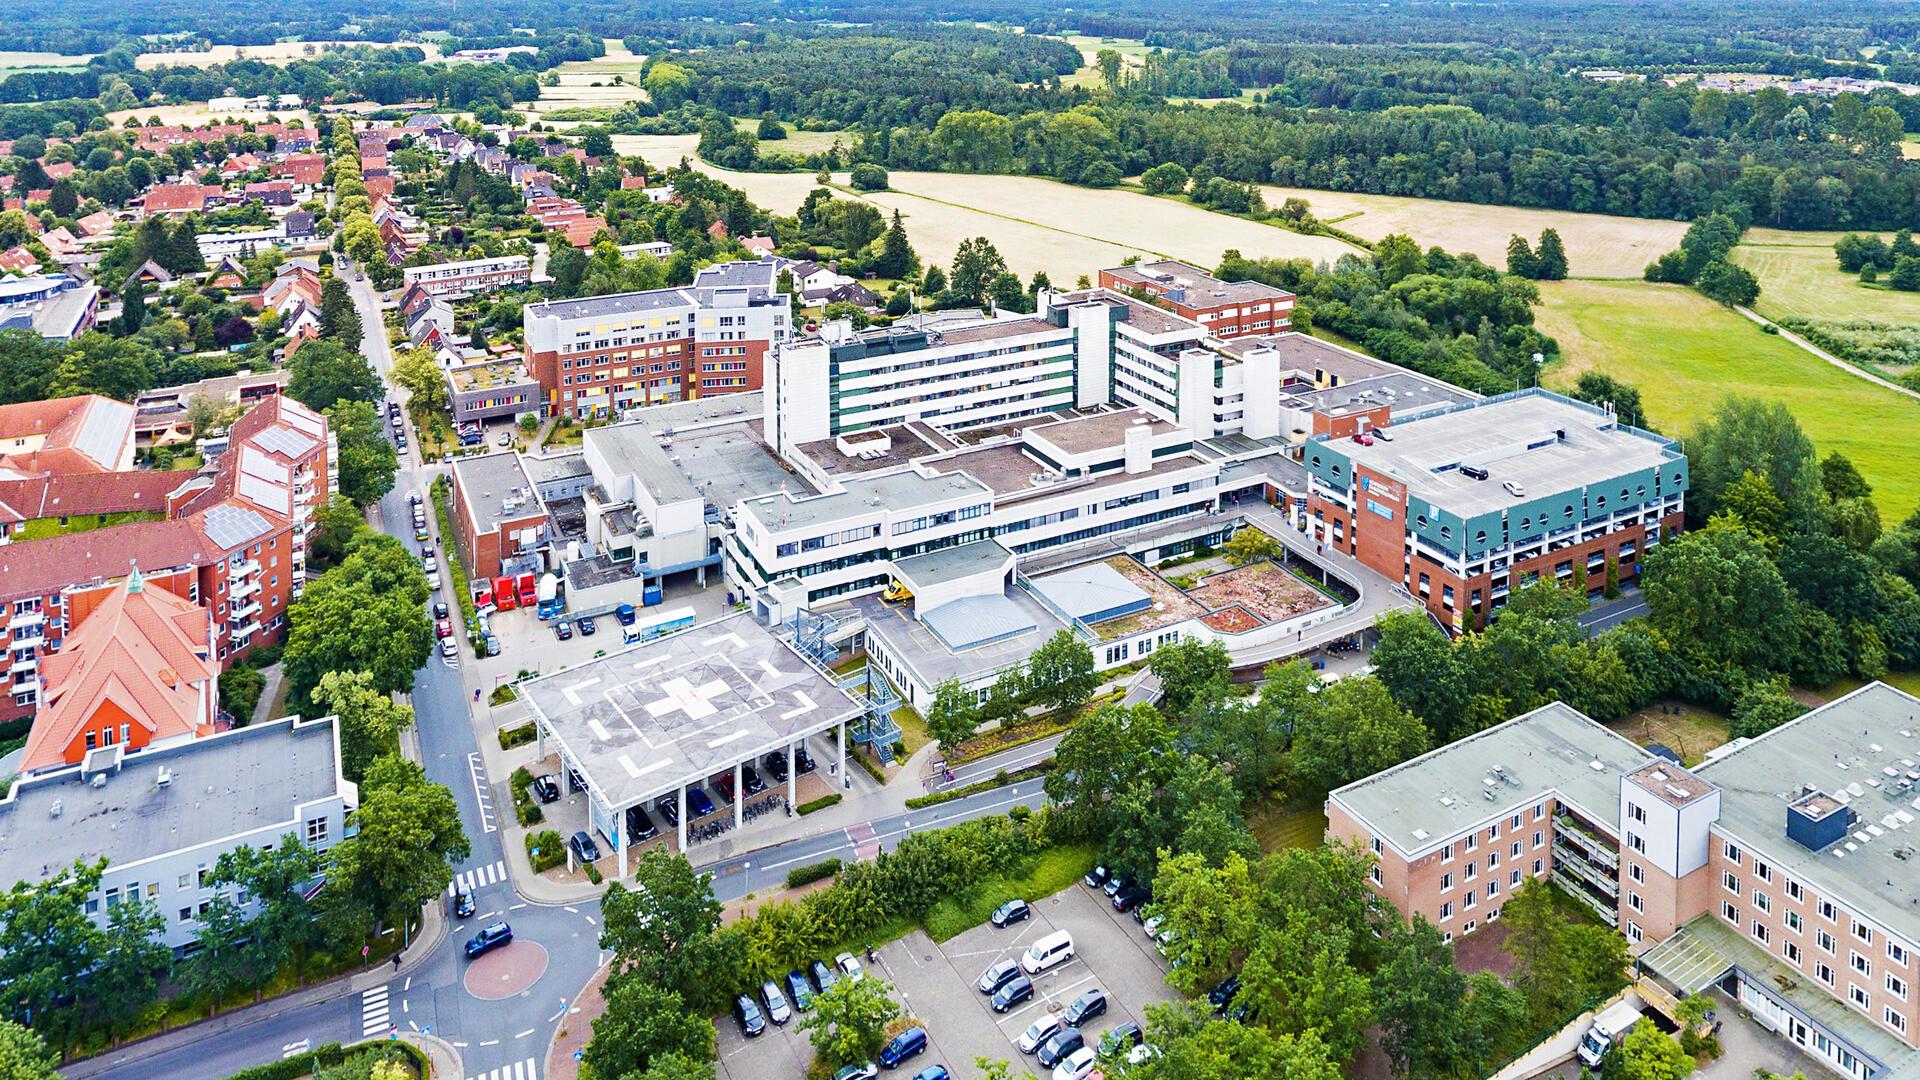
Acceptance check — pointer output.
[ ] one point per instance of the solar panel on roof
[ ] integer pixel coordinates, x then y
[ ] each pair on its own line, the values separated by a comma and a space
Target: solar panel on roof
281, 441
231, 526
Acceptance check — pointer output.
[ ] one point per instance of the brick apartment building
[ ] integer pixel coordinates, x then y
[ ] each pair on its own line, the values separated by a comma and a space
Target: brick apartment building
497, 512
1780, 870
1227, 309
1464, 504
597, 356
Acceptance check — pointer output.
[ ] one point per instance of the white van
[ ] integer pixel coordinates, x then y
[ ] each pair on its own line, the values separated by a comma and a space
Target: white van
1050, 951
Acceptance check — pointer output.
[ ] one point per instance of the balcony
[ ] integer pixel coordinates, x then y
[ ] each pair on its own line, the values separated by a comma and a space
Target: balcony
244, 589
26, 686
29, 635
30, 663
1595, 847
239, 636
22, 619
242, 569
1566, 858
243, 612
1574, 888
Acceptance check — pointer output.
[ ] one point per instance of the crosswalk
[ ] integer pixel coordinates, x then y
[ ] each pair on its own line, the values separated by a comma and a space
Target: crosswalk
479, 877
373, 1013
519, 1070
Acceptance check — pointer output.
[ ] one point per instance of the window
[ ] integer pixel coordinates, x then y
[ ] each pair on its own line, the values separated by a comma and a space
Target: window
1633, 931
1732, 853
1760, 932
1896, 952
1539, 811
1513, 878
201, 878
1730, 913
1636, 812
1828, 911
1514, 852
1514, 825
1897, 986
1493, 831
1762, 871
1446, 911
1762, 901
1473, 841
1791, 951
1446, 882
1470, 872
1857, 995
1793, 890
1493, 889
317, 830
1729, 882
1468, 904
1375, 843
1538, 864
1793, 921
1863, 931
1538, 837
186, 914
1373, 875
1493, 860
1446, 853
1637, 872
1637, 844
1824, 940
1859, 963
1634, 902
1823, 973
1894, 1019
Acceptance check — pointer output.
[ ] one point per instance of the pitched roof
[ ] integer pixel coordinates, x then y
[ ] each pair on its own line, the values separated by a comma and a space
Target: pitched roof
86, 433
144, 651
96, 223
179, 197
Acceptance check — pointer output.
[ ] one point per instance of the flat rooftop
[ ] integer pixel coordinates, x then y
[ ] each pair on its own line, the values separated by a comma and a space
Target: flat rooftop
995, 330
632, 303
1203, 289
922, 650
1099, 431
632, 449
652, 718
1859, 748
1440, 794
496, 489
552, 469
893, 492
1514, 439
246, 779
1405, 393
713, 409
1147, 317
490, 374
954, 563
731, 463
905, 442
1317, 361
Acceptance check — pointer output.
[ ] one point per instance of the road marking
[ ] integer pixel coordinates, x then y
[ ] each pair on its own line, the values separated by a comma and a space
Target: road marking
481, 794
478, 878
408, 986
524, 1034
292, 1049
373, 1012
519, 1070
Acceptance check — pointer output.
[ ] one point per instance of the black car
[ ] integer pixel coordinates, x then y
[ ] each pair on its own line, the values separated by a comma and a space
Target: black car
1011, 912
439, 609
669, 808
579, 782
586, 625
562, 630
1085, 1007
799, 990
583, 847
1000, 974
747, 1015
1097, 877
1121, 1037
1131, 897
750, 778
463, 904
776, 766
802, 761
546, 789
490, 937
1058, 1046
823, 975
639, 825
1018, 990
1222, 993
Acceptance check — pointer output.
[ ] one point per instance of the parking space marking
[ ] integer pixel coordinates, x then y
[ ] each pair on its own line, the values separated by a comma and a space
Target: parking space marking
1048, 1001
481, 794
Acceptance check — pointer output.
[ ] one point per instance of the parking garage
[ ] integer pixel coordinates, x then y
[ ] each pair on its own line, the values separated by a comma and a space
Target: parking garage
648, 722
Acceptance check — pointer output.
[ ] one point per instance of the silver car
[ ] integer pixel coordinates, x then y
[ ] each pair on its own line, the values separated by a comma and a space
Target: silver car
776, 1003
1038, 1032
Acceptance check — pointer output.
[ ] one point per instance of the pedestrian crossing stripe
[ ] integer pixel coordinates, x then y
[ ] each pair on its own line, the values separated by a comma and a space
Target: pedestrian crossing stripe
478, 878
373, 1013
519, 1070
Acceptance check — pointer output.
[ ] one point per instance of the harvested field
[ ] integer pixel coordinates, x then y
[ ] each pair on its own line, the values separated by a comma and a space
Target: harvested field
1266, 589
590, 83
1170, 605
797, 141
279, 54
1598, 245
662, 151
14, 63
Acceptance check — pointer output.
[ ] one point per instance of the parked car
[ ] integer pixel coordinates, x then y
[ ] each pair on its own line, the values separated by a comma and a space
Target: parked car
579, 782
1085, 1007
443, 628
505, 439
1047, 952
750, 779
1039, 1032
776, 765
463, 904
1116, 881
1011, 912
546, 788
562, 630
431, 565
849, 966
625, 614
440, 609
669, 808
698, 805
747, 1015
583, 847
1077, 1066
1058, 1046
997, 975
823, 976
1120, 1037
1151, 924
449, 650
857, 1072
722, 784
420, 533
586, 625
1131, 897
933, 1072
492, 936
775, 1002
1017, 990
1097, 877
640, 827
802, 761
799, 991
907, 1044
1222, 993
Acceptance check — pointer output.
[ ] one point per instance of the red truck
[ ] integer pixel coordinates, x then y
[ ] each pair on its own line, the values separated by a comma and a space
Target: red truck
529, 590
503, 593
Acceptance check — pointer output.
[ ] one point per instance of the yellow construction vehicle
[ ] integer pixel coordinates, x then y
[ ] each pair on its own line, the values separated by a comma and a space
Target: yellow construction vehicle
895, 593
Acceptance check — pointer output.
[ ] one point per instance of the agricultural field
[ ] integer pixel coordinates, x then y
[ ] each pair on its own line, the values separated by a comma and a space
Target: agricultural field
589, 84
1131, 51
1684, 353
797, 141
1598, 245
1042, 224
1910, 147
1799, 276
663, 151
17, 63
279, 53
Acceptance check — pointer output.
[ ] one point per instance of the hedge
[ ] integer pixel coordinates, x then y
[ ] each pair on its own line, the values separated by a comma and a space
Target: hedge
812, 872
999, 779
552, 851
517, 736
329, 1055
820, 803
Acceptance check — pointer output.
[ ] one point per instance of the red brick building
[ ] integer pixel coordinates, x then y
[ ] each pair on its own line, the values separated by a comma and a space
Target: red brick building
601, 355
1228, 309
497, 514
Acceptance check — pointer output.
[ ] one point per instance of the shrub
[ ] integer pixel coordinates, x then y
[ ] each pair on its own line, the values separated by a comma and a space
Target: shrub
240, 689
529, 813
867, 176
545, 850
820, 803
519, 736
812, 872
593, 873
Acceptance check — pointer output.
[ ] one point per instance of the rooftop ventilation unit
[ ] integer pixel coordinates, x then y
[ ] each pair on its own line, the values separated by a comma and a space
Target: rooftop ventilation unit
165, 778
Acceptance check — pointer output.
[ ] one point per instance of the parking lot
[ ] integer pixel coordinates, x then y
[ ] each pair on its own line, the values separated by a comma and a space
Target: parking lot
936, 983
529, 644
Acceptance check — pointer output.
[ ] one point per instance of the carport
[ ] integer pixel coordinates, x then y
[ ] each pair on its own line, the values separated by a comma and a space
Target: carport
654, 718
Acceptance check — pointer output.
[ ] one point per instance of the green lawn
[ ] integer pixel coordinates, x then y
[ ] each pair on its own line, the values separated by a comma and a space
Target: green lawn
1055, 869
1685, 352
1800, 277
42, 528
1280, 827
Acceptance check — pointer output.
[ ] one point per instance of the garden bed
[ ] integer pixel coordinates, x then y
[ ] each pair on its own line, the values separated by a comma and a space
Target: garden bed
1233, 620
1263, 588
1170, 605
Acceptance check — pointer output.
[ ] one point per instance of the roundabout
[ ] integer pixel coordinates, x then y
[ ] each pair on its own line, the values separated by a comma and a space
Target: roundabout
506, 972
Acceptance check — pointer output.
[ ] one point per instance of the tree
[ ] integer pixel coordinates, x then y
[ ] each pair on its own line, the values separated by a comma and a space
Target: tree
668, 84
1195, 1046
975, 265
1558, 965
1550, 258
339, 319
1212, 913
1520, 258
221, 967
1103, 754
367, 461
1250, 545
663, 931
47, 943
1717, 589
420, 374
1060, 673
770, 128
1165, 179
1647, 1053
1425, 671
849, 1021
1906, 273
23, 1056
133, 309
1599, 388
1741, 434
1427, 1029
1763, 705
1841, 480
323, 373
953, 715
370, 721
897, 258
1731, 283
867, 176
275, 878
1354, 729
403, 855
366, 614
1191, 673
1300, 979
119, 368
642, 1024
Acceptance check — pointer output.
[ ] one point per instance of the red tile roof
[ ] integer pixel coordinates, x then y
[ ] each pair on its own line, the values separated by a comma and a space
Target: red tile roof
169, 197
